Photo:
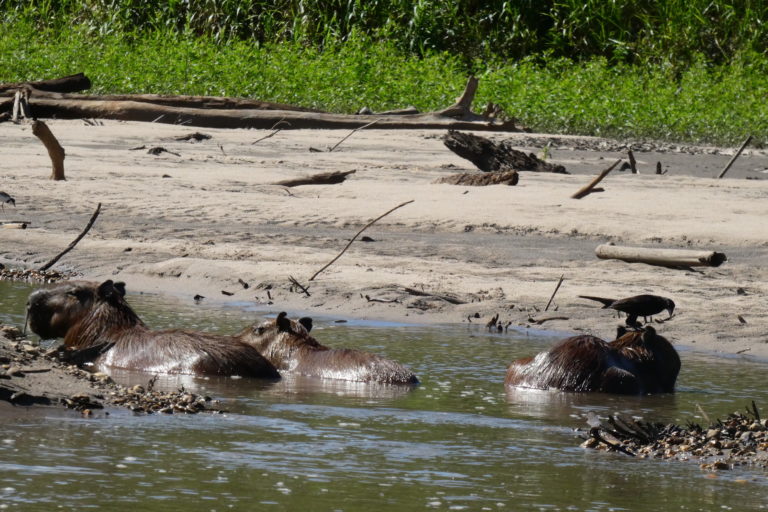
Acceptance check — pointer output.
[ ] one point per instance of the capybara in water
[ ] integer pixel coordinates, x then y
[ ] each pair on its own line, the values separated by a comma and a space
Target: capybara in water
95, 319
289, 346
636, 363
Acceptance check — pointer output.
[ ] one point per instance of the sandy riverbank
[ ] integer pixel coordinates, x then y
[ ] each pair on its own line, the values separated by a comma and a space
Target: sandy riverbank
201, 222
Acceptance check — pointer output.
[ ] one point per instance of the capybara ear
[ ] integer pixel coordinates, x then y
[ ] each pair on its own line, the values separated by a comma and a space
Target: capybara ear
283, 323
120, 287
107, 290
306, 322
649, 333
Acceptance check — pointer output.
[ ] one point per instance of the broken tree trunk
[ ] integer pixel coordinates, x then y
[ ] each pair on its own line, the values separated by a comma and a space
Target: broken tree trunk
326, 178
55, 151
661, 257
71, 83
473, 179
491, 156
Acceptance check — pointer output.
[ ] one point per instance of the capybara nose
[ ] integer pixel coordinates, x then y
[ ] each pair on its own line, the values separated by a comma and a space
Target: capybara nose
35, 298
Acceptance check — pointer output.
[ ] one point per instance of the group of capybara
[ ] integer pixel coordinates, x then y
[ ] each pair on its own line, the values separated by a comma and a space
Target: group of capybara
99, 326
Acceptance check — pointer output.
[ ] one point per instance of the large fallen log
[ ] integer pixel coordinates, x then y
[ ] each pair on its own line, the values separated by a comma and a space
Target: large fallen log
230, 118
490, 156
170, 100
71, 83
210, 112
661, 257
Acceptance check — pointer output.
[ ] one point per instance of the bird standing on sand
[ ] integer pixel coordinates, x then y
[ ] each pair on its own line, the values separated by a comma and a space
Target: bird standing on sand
639, 305
5, 198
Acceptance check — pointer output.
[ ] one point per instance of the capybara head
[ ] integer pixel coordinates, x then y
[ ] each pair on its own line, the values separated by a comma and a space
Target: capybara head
52, 311
279, 338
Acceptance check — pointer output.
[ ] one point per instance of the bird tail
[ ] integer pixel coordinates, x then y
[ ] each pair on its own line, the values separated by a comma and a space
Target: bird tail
605, 302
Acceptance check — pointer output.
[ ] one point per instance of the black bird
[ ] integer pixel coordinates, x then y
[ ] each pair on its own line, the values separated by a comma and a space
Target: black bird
5, 198
639, 305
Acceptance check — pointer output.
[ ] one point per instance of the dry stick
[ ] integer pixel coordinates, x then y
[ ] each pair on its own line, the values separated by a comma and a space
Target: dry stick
587, 189
358, 234
733, 159
16, 107
296, 283
351, 133
55, 151
632, 162
540, 321
450, 300
275, 132
74, 242
555, 292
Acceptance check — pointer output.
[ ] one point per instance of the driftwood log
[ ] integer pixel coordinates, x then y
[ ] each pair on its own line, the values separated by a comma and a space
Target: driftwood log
71, 83
55, 151
211, 112
490, 156
474, 179
169, 100
661, 257
326, 178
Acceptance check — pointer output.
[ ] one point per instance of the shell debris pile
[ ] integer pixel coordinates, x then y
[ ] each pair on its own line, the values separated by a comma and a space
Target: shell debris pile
741, 439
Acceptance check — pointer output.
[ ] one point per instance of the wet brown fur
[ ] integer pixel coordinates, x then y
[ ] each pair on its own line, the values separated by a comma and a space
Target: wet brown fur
95, 319
637, 363
288, 345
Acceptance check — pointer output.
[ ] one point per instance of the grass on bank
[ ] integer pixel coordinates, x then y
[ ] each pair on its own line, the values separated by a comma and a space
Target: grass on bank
702, 103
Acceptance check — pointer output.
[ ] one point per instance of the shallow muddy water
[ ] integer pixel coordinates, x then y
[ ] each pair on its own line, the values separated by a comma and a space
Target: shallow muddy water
458, 441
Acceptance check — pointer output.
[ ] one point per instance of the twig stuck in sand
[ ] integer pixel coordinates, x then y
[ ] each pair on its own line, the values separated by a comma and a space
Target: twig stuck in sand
632, 162
733, 159
297, 284
352, 133
276, 129
74, 242
358, 234
555, 292
585, 191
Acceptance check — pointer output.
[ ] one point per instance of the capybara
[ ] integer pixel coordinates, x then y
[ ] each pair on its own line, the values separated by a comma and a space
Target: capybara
96, 321
288, 345
636, 363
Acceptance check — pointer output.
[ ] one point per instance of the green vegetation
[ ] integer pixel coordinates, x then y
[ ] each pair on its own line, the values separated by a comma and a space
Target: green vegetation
688, 71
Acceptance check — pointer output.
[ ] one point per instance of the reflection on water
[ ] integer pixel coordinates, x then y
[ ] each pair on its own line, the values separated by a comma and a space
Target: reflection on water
458, 441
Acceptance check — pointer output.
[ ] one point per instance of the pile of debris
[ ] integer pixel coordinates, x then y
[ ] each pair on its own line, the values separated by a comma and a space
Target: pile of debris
30, 275
741, 439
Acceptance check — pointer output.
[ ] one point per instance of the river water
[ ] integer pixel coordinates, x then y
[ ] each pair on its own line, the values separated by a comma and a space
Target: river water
458, 441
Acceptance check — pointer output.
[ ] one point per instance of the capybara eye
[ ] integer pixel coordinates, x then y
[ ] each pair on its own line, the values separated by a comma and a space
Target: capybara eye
260, 330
